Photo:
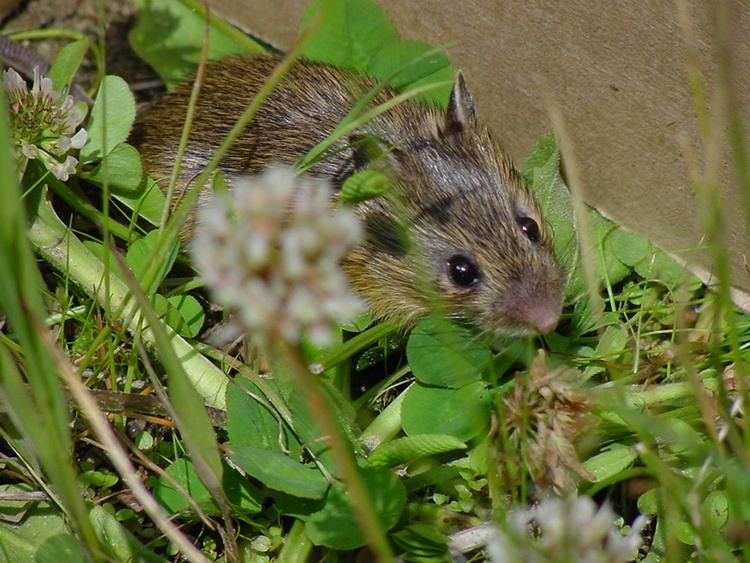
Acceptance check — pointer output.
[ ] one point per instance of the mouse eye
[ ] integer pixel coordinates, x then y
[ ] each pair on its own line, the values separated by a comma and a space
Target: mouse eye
529, 228
462, 271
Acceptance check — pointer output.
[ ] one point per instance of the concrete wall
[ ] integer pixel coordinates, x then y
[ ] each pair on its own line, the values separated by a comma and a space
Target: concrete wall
619, 72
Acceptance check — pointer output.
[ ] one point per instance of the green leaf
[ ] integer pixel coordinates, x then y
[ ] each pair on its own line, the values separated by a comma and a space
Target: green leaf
280, 472
349, 33
64, 548
612, 343
251, 421
717, 505
431, 69
542, 173
67, 61
139, 257
335, 525
296, 507
422, 542
630, 248
407, 449
364, 185
168, 35
306, 426
540, 156
147, 203
197, 432
610, 268
462, 413
610, 462
190, 315
119, 542
649, 502
115, 107
188, 407
99, 478
686, 533
26, 525
15, 547
358, 324
445, 354
121, 169
239, 492
660, 266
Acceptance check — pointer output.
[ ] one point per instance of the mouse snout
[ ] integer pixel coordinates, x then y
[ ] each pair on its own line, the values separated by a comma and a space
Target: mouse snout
541, 315
532, 307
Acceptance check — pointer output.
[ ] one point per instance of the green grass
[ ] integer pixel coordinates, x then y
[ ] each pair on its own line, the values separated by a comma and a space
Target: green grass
637, 400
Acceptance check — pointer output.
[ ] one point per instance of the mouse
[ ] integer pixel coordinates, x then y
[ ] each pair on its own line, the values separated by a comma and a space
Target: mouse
458, 231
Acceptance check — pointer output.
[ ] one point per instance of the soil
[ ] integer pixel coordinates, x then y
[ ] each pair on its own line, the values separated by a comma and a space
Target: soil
83, 16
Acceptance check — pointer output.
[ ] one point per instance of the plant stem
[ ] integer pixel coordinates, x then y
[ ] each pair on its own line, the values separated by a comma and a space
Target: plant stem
360, 499
386, 425
59, 247
356, 344
297, 547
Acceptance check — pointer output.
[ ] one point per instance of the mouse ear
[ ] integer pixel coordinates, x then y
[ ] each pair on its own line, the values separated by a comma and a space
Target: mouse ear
461, 114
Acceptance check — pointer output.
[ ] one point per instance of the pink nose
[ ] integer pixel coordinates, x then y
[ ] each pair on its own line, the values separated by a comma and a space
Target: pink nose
540, 315
543, 320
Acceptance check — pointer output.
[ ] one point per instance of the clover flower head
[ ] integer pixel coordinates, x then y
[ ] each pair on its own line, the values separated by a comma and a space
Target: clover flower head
271, 251
546, 413
43, 124
565, 529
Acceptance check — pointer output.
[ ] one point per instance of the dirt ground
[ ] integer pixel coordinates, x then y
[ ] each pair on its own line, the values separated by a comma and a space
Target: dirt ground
81, 16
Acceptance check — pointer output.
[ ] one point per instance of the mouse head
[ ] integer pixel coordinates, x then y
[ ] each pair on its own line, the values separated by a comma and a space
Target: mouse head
460, 232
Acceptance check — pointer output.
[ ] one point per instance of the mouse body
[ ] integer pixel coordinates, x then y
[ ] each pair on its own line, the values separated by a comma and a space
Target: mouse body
458, 231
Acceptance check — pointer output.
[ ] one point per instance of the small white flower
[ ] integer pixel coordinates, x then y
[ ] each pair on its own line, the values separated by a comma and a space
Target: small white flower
570, 529
79, 139
63, 170
272, 248
15, 86
43, 124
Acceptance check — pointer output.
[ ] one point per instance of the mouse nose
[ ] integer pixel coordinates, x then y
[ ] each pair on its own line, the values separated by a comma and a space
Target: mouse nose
540, 313
542, 317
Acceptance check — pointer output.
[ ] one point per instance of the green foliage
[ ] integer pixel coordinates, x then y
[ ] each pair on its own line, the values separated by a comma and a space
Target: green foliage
416, 64
409, 448
64, 548
335, 526
27, 525
356, 34
462, 413
120, 543
242, 495
37, 411
121, 169
148, 202
443, 354
364, 185
280, 472
616, 253
139, 256
66, 63
111, 119
445, 435
348, 32
169, 34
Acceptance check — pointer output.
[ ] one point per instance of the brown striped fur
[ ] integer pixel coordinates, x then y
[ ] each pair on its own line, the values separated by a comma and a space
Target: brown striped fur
455, 191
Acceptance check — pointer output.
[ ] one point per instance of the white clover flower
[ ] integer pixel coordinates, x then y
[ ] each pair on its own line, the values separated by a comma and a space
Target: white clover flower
570, 529
43, 124
271, 251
